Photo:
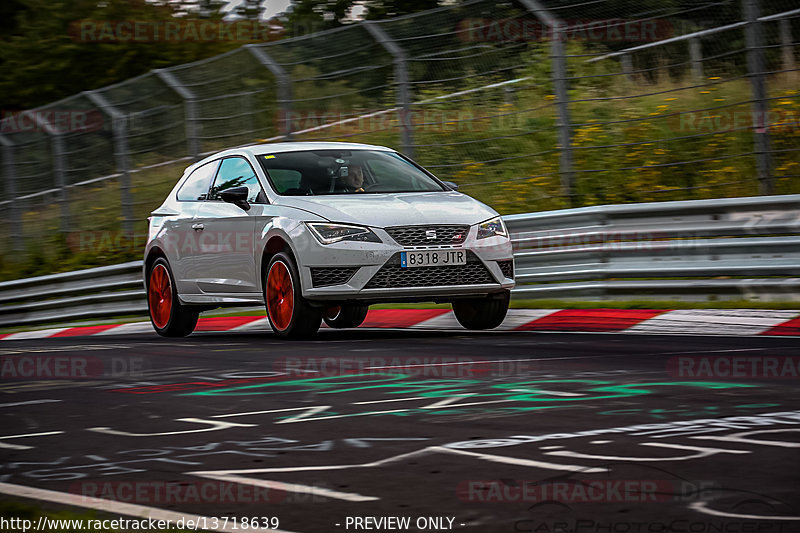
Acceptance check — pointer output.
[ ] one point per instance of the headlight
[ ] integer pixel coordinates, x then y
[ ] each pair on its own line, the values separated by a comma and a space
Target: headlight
492, 227
331, 233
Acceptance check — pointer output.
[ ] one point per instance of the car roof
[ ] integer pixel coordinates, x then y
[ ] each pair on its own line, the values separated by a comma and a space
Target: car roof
275, 148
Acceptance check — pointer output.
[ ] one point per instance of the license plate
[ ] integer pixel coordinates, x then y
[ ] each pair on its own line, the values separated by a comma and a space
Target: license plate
432, 258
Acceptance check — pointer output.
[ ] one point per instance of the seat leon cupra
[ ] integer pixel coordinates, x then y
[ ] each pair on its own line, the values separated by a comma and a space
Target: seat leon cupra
319, 231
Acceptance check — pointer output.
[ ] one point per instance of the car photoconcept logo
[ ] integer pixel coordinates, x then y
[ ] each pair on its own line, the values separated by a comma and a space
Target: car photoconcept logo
430, 234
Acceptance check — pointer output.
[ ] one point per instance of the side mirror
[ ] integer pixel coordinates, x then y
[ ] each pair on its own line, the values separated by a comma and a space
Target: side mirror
236, 196
453, 186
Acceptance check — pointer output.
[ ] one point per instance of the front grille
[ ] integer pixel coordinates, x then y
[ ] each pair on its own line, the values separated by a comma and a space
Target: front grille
428, 235
507, 268
326, 276
392, 275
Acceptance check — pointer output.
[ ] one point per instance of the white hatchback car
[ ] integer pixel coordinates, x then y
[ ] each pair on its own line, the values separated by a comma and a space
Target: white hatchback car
321, 231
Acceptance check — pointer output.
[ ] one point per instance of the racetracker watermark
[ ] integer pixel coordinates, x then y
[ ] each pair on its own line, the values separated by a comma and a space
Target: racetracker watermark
175, 242
105, 241
722, 120
586, 30
21, 367
423, 119
679, 525
581, 490
158, 492
174, 492
604, 239
429, 367
151, 31
55, 120
734, 367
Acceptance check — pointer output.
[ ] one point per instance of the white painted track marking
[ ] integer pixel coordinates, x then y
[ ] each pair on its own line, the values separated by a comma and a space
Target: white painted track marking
22, 447
293, 487
522, 462
110, 506
132, 327
702, 507
32, 402
37, 334
514, 319
736, 322
261, 324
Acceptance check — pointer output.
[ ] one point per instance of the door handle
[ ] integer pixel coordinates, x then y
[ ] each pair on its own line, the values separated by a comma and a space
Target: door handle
198, 227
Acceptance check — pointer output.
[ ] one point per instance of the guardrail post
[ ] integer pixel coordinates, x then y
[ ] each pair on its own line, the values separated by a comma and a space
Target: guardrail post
15, 231
787, 49
561, 84
754, 39
119, 130
627, 66
696, 56
284, 87
190, 109
59, 166
401, 78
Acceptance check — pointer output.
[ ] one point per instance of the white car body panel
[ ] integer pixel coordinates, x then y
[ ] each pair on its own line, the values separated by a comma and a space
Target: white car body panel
222, 264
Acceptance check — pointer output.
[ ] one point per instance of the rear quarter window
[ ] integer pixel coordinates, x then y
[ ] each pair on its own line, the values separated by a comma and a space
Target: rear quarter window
196, 185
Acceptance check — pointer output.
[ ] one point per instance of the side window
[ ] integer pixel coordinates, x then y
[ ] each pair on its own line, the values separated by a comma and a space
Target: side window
196, 185
391, 173
237, 172
285, 179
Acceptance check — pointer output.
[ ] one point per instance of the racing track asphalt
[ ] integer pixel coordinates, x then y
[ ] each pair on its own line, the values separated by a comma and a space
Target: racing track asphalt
478, 427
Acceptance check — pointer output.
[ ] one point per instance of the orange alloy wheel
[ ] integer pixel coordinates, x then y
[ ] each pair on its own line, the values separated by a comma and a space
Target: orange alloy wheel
280, 295
159, 296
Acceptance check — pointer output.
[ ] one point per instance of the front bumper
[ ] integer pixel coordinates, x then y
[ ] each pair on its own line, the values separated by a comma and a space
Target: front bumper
372, 270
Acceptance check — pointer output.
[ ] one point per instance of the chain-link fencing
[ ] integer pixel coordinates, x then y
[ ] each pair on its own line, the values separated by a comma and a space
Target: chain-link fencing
527, 105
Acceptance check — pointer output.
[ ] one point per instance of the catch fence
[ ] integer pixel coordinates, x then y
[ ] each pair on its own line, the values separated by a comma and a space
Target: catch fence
527, 105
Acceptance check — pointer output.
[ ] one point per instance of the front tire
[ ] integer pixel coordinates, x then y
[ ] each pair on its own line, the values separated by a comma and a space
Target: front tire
289, 313
169, 317
482, 313
345, 315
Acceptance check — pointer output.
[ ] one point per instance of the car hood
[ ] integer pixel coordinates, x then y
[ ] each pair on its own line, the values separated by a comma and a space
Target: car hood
396, 209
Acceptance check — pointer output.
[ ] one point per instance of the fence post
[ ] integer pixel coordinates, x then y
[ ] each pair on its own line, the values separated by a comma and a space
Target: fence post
15, 231
787, 49
401, 78
119, 130
754, 39
696, 56
284, 87
627, 66
561, 84
190, 109
626, 61
59, 165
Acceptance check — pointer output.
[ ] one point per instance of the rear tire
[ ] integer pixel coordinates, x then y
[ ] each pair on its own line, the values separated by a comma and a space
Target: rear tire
482, 313
289, 313
170, 318
345, 315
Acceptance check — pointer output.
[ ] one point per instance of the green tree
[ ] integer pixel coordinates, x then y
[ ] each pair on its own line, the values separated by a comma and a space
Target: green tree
310, 16
381, 9
44, 57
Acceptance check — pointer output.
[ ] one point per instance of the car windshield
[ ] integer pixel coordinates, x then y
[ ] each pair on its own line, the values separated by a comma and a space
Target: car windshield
320, 172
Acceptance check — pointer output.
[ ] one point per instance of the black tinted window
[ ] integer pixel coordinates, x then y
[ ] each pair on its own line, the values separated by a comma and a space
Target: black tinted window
316, 172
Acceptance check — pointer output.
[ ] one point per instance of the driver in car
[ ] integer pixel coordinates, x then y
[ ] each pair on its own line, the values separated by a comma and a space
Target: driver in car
354, 181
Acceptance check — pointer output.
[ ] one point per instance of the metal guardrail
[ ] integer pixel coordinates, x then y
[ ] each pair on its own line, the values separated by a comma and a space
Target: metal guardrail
737, 248
92, 293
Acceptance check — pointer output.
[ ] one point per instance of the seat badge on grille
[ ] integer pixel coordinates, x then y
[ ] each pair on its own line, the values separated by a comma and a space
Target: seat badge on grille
430, 234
